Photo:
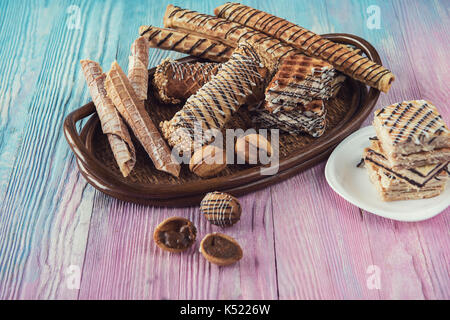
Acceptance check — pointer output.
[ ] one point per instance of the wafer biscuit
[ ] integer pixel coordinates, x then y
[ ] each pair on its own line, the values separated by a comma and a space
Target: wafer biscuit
122, 94
412, 133
186, 42
341, 57
214, 104
176, 81
228, 32
391, 188
310, 119
110, 120
417, 177
138, 67
300, 80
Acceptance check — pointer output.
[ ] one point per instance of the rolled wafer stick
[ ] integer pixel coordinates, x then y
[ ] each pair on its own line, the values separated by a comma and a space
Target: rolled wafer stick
133, 110
315, 83
223, 30
111, 121
189, 43
341, 57
137, 67
215, 103
176, 81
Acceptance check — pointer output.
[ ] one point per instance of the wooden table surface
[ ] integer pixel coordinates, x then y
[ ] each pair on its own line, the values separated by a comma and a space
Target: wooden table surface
62, 239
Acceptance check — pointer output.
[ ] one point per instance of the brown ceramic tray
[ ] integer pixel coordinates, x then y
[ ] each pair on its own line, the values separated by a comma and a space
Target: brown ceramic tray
146, 185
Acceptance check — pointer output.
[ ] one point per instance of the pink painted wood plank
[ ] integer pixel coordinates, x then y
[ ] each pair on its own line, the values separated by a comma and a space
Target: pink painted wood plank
427, 43
401, 250
424, 27
405, 271
43, 195
313, 245
123, 262
321, 244
413, 261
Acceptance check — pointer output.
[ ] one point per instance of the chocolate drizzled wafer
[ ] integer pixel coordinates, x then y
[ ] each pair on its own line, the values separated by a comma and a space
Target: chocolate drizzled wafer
133, 110
341, 57
110, 119
310, 119
223, 30
137, 67
214, 104
300, 80
403, 184
186, 42
176, 81
412, 133
417, 177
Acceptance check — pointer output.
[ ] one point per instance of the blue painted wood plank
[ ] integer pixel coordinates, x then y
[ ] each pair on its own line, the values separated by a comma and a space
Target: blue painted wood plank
39, 238
46, 207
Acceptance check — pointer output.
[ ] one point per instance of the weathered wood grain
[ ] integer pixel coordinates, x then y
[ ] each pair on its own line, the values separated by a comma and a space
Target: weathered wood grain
46, 209
397, 248
315, 230
300, 239
322, 247
122, 261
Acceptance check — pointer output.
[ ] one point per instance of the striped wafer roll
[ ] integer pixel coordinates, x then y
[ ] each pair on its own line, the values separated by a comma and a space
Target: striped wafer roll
110, 119
138, 67
215, 103
122, 94
343, 59
226, 31
186, 42
175, 81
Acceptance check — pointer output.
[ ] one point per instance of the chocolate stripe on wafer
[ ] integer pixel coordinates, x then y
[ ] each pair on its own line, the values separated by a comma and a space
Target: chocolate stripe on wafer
199, 46
412, 120
418, 176
300, 80
175, 81
215, 103
348, 62
310, 119
222, 30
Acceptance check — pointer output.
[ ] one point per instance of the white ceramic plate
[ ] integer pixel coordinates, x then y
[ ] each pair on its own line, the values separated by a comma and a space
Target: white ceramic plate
353, 184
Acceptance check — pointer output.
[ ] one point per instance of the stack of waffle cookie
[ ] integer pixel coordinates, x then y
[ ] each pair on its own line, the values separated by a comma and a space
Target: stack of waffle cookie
310, 118
409, 157
294, 98
300, 80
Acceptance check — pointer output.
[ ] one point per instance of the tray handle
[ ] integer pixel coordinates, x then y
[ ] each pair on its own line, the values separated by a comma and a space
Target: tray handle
72, 135
84, 157
75, 139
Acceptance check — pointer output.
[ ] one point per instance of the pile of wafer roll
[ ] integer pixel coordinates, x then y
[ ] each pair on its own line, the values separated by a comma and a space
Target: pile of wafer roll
119, 99
282, 72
